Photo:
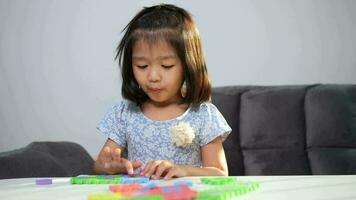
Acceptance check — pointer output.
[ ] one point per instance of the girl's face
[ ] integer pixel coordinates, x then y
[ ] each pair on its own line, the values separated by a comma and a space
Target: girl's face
158, 71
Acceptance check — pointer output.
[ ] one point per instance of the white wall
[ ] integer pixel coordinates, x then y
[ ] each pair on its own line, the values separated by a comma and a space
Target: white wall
58, 76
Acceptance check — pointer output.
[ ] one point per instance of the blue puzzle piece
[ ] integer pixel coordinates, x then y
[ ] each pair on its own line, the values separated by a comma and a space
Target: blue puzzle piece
182, 182
135, 180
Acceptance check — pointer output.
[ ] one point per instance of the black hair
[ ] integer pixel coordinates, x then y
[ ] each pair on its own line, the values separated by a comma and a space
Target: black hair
177, 27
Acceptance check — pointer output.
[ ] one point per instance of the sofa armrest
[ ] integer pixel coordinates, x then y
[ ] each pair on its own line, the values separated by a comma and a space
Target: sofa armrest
46, 159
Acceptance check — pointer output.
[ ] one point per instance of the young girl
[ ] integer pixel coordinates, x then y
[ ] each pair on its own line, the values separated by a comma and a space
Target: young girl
166, 122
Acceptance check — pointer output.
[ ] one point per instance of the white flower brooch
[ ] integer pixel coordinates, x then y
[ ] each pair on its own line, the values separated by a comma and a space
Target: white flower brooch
182, 135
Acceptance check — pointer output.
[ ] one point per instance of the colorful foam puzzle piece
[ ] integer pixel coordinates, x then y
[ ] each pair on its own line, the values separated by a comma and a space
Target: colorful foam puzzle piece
108, 179
170, 192
228, 191
105, 196
44, 181
154, 197
96, 179
126, 189
141, 179
183, 182
218, 180
150, 185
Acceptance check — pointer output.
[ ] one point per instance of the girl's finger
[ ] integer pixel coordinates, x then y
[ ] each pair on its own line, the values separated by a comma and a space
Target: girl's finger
105, 158
171, 172
116, 154
128, 165
106, 155
136, 164
160, 169
145, 169
152, 168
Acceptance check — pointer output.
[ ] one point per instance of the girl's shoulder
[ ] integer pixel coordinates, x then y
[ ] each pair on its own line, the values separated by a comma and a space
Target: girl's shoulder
125, 106
205, 109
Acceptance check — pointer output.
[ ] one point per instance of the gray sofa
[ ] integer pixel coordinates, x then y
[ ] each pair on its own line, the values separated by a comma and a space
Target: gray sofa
289, 130
277, 130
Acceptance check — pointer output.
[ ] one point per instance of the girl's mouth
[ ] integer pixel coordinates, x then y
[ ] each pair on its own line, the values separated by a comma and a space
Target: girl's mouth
154, 90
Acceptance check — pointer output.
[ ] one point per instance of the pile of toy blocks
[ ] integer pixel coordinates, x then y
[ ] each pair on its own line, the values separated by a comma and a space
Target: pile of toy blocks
139, 187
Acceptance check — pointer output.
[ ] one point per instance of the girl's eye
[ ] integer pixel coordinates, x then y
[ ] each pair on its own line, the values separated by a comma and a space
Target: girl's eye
141, 66
167, 66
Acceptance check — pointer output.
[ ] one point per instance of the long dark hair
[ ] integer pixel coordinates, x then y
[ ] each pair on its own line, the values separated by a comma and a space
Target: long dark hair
176, 26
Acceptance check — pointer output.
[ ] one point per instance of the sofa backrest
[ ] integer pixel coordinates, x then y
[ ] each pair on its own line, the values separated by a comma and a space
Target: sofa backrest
289, 130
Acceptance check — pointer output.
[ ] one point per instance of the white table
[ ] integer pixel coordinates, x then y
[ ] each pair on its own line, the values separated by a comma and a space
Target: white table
271, 188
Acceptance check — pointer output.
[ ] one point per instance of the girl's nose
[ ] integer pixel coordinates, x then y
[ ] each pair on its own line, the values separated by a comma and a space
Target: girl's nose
154, 75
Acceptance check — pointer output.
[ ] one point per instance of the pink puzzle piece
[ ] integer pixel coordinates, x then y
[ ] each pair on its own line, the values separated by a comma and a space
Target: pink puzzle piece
175, 192
126, 189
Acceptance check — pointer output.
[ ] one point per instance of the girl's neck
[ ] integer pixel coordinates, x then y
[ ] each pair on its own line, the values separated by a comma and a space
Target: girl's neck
162, 112
166, 104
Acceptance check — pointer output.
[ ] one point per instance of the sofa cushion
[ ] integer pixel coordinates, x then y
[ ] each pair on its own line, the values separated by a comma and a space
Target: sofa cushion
272, 124
331, 116
273, 118
280, 161
331, 129
332, 161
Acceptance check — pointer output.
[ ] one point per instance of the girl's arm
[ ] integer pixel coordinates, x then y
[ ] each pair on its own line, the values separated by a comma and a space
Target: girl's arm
213, 160
109, 160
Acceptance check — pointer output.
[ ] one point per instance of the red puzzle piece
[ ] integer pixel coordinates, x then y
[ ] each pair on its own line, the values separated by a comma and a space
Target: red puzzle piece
126, 189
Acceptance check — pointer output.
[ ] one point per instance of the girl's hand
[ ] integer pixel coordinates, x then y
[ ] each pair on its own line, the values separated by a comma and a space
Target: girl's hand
163, 168
111, 162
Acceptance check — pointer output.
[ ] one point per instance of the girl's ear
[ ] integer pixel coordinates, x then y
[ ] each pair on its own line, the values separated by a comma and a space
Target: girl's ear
183, 90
